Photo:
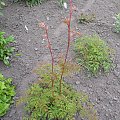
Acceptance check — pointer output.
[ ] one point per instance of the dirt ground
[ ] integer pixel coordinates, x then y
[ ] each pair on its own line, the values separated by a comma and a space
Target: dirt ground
103, 91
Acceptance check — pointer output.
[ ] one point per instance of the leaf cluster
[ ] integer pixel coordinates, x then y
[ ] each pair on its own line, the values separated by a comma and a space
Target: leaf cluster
43, 105
34, 2
93, 54
6, 50
117, 23
7, 91
84, 18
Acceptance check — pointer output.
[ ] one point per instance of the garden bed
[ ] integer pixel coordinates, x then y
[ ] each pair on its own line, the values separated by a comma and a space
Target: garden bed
103, 91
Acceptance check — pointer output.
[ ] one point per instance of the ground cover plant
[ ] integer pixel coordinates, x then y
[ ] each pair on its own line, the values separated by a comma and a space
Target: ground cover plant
46, 103
6, 50
7, 91
117, 23
34, 2
93, 54
86, 18
1, 6
62, 2
51, 98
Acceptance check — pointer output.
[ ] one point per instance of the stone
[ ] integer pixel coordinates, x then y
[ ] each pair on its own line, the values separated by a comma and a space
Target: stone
47, 18
12, 113
115, 99
36, 49
77, 82
116, 73
90, 86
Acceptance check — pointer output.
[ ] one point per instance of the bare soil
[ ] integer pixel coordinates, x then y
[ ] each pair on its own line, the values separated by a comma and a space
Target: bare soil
103, 91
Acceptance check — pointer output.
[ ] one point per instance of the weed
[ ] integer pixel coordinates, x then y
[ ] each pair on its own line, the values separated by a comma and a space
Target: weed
61, 2
34, 2
5, 49
7, 91
1, 6
117, 23
93, 54
84, 18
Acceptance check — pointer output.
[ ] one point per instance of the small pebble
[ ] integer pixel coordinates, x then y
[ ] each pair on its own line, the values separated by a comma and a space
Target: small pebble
43, 41
90, 86
117, 44
111, 103
106, 115
12, 113
51, 27
115, 99
77, 82
47, 18
36, 49
116, 73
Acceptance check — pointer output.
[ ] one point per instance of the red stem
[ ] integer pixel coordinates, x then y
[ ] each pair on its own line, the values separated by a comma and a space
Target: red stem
51, 53
68, 45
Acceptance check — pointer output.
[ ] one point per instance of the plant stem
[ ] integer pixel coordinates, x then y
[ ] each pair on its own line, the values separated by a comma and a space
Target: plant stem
68, 45
51, 53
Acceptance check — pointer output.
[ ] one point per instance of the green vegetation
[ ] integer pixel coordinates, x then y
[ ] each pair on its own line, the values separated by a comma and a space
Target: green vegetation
43, 105
34, 2
7, 91
117, 23
1, 6
5, 49
61, 2
84, 18
93, 54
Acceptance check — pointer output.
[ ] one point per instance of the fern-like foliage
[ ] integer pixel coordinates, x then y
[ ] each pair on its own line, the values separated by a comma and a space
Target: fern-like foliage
93, 54
41, 104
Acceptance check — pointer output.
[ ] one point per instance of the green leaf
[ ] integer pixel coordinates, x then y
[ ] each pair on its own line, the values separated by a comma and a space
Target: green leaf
2, 85
2, 3
3, 108
7, 91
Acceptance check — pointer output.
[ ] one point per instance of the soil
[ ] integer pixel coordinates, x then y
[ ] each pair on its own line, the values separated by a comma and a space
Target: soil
103, 91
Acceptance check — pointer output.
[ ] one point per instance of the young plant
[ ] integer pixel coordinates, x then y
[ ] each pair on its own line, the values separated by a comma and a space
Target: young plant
7, 91
1, 6
93, 54
5, 50
84, 18
34, 2
51, 98
117, 23
42, 105
61, 2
